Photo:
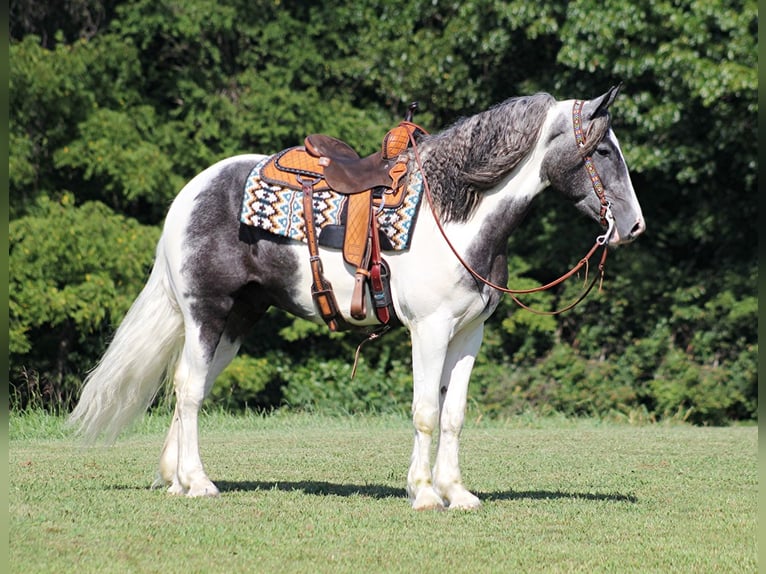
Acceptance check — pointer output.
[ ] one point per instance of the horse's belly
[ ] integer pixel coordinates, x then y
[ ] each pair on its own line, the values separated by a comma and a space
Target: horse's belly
420, 287
340, 275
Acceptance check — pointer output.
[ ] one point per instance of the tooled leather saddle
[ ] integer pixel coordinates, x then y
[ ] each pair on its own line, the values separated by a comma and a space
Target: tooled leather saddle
325, 163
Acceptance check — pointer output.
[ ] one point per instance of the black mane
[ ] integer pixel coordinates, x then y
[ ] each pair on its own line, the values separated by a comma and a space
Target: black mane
478, 151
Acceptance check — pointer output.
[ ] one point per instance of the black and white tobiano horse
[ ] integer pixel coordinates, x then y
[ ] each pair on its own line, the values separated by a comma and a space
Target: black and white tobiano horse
207, 287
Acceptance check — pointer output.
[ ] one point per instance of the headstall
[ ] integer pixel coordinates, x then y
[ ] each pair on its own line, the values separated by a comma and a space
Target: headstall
605, 215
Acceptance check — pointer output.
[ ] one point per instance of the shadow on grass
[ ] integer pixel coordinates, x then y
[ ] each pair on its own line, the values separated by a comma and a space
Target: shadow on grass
381, 491
315, 487
555, 495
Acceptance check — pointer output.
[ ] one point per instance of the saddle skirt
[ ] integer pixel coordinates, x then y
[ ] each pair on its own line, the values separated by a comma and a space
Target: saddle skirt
277, 208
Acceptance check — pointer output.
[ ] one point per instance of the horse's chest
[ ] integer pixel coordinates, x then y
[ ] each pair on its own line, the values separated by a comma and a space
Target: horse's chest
439, 291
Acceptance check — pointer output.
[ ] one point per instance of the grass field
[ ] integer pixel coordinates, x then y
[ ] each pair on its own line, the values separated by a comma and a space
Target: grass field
309, 493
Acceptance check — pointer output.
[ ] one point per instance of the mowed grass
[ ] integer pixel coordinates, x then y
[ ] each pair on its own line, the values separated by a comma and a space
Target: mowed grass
310, 493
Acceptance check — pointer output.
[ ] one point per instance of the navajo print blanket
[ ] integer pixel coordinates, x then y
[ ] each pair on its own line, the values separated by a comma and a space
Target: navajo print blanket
279, 210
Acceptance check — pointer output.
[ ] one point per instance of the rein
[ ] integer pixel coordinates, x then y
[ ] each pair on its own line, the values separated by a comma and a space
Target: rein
605, 215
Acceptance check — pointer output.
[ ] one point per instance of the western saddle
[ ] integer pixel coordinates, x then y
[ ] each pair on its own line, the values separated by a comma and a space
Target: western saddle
325, 163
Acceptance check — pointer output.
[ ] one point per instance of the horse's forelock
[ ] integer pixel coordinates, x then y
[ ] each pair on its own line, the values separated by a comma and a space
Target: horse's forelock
478, 151
596, 131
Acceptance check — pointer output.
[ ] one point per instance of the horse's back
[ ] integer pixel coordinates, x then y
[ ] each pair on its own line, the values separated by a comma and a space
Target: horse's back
221, 182
208, 201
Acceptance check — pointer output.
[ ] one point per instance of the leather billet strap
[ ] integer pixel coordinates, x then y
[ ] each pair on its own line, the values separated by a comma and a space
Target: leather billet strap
358, 308
321, 288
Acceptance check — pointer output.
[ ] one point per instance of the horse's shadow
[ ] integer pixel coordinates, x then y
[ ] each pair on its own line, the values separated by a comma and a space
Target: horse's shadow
379, 491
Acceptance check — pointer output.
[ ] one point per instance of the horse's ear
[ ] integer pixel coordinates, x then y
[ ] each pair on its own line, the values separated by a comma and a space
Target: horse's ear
598, 118
602, 103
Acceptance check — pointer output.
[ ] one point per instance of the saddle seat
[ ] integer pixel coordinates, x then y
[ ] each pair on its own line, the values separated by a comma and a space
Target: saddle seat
320, 145
347, 173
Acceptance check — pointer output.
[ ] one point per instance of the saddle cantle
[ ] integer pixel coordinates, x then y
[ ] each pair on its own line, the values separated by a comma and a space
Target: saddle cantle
325, 163
283, 168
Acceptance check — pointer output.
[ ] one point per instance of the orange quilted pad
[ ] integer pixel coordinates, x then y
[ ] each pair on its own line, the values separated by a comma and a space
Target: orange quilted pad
283, 168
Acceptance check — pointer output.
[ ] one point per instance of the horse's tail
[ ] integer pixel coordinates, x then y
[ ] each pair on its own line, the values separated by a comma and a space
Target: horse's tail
141, 357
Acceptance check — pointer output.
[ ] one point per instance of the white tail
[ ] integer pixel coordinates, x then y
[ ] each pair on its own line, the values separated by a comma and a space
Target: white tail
142, 355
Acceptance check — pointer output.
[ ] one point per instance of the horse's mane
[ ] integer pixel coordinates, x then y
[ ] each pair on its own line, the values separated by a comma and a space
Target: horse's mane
476, 152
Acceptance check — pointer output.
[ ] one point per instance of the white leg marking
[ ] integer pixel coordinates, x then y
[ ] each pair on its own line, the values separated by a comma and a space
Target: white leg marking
190, 391
427, 361
193, 379
168, 472
461, 353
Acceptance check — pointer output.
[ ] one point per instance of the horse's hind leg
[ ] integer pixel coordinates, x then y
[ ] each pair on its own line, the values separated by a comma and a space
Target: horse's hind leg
180, 462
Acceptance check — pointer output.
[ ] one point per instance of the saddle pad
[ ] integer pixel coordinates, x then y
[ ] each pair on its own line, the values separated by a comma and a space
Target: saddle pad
279, 210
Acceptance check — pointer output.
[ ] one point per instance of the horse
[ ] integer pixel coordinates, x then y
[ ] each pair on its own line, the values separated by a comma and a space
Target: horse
207, 287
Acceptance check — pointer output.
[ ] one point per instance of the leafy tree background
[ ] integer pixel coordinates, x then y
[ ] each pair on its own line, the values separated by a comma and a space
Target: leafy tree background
115, 104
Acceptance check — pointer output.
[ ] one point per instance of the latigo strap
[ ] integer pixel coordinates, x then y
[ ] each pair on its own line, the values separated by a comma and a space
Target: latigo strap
321, 288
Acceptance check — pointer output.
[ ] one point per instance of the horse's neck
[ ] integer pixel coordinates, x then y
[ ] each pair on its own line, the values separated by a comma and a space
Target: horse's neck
456, 149
503, 207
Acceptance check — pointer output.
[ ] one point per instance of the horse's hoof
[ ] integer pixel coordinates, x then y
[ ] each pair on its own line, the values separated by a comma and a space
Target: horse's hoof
205, 489
176, 489
466, 502
458, 498
427, 499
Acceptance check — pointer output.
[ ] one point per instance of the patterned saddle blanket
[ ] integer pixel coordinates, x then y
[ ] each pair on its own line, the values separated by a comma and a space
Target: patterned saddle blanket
279, 210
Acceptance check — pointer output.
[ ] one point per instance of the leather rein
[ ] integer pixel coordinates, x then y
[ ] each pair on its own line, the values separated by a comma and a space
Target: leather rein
606, 217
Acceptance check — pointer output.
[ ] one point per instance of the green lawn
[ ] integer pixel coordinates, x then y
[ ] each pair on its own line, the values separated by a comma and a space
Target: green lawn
308, 493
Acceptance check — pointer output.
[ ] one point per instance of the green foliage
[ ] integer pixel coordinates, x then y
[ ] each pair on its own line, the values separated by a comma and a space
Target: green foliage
560, 382
712, 394
112, 153
51, 93
528, 334
244, 380
74, 272
114, 105
327, 386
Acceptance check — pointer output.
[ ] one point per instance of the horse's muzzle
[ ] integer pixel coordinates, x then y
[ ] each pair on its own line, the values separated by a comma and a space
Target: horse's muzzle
638, 228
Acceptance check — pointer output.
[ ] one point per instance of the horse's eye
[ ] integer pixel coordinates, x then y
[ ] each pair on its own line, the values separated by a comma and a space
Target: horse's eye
602, 151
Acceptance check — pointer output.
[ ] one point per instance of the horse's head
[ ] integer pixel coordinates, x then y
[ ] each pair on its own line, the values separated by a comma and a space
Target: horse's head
584, 161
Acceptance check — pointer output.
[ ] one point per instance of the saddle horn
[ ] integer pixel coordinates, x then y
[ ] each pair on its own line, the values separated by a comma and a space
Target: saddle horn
410, 111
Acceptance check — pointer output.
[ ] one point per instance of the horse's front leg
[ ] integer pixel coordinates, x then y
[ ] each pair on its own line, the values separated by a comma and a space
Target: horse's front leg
429, 348
453, 393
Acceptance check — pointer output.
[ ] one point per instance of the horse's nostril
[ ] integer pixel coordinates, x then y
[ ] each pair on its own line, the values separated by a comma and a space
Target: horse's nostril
638, 228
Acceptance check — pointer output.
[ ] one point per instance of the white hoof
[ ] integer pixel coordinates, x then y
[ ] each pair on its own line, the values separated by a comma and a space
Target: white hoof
176, 489
427, 499
466, 501
203, 488
459, 498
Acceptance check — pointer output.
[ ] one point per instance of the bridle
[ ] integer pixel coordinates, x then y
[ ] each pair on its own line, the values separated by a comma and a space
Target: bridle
605, 215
